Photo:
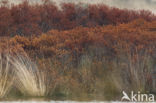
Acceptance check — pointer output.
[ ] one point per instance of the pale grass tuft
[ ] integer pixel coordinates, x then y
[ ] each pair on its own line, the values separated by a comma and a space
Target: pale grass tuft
30, 81
6, 75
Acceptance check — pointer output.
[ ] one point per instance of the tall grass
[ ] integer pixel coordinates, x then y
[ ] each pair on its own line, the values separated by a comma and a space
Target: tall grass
95, 76
6, 75
134, 71
29, 80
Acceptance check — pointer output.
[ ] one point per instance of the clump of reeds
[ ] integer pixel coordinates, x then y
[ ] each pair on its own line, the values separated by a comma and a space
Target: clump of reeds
6, 75
134, 71
29, 80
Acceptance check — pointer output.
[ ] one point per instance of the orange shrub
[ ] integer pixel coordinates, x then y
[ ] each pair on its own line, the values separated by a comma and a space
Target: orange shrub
139, 33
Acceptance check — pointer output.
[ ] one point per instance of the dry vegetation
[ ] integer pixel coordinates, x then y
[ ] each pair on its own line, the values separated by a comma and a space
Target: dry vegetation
86, 62
77, 56
29, 80
27, 20
6, 75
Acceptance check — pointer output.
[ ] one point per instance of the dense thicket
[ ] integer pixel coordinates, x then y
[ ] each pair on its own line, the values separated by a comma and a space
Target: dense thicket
92, 51
96, 62
26, 19
137, 34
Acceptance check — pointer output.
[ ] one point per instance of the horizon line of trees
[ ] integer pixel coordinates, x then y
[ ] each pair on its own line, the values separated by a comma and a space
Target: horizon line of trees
26, 20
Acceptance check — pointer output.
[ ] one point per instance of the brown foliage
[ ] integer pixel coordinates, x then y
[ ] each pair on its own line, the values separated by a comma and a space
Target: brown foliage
26, 19
94, 59
137, 34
